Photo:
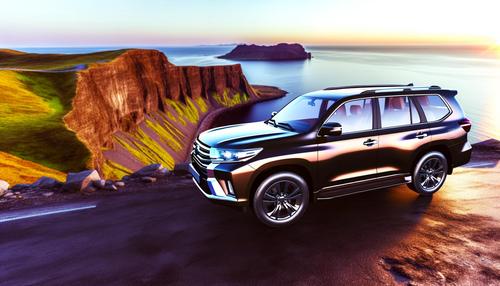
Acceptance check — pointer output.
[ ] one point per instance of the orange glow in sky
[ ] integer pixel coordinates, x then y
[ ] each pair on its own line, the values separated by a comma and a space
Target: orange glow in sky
159, 22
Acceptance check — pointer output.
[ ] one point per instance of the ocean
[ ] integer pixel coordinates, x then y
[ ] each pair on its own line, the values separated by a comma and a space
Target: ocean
474, 72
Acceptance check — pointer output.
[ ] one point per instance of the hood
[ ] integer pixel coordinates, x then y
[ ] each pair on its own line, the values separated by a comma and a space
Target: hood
248, 135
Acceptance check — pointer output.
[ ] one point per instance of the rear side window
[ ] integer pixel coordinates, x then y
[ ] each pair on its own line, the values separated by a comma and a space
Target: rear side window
434, 107
397, 111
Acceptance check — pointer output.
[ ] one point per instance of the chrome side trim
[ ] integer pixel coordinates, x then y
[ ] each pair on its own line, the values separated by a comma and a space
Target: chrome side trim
365, 181
358, 192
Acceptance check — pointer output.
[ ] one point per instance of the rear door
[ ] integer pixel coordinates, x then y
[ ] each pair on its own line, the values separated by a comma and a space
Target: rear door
402, 131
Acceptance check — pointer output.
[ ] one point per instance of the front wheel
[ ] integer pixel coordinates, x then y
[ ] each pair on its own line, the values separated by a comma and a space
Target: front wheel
281, 199
429, 173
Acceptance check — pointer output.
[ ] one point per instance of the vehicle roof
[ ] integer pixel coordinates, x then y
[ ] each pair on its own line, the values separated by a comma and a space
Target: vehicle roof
342, 92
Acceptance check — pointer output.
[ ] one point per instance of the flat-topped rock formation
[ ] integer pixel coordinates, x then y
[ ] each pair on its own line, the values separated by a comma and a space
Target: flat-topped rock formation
279, 52
121, 111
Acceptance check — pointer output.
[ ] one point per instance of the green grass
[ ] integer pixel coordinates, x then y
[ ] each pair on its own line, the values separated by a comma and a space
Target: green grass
31, 124
19, 60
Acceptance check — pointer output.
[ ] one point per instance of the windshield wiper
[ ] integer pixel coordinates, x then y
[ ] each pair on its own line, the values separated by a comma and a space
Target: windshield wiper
272, 121
285, 125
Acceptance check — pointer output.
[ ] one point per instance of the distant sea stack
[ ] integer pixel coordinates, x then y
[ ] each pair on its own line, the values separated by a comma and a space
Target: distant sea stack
279, 52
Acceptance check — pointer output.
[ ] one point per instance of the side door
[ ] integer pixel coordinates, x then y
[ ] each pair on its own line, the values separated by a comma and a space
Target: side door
402, 131
352, 155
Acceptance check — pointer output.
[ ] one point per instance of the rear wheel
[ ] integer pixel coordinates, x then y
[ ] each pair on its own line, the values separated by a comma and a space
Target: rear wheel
429, 173
281, 199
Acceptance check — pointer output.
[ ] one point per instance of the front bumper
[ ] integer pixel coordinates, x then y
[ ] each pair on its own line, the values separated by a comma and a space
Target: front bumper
216, 189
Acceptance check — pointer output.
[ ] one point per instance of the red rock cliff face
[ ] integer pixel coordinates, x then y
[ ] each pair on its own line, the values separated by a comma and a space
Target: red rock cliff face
117, 96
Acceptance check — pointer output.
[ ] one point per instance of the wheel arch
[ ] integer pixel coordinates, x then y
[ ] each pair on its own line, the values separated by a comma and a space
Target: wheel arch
442, 148
295, 168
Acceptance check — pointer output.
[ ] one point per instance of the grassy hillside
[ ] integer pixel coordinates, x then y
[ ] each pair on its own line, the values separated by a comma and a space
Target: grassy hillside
34, 139
19, 60
31, 127
18, 171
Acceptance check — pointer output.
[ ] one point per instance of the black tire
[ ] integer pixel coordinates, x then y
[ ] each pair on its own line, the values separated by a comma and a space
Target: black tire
429, 174
281, 199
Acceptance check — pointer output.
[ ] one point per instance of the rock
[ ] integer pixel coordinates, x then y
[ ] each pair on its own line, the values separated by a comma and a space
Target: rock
46, 183
111, 188
181, 169
99, 184
162, 173
116, 96
79, 181
21, 187
148, 171
279, 52
120, 184
148, 179
89, 189
4, 186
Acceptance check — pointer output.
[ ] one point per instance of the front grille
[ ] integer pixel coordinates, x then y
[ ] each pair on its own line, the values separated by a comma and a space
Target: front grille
200, 157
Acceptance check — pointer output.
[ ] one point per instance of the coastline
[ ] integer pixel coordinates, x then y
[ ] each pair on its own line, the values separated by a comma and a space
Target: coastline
264, 92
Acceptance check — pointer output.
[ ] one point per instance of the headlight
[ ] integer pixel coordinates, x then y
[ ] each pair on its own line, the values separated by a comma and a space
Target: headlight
232, 155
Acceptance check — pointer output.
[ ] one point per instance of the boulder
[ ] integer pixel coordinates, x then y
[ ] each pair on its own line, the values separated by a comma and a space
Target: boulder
80, 181
120, 184
46, 183
181, 169
154, 170
111, 188
21, 187
4, 186
99, 184
148, 179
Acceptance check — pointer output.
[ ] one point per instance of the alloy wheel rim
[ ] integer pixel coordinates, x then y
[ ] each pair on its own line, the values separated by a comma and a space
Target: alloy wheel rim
431, 174
283, 200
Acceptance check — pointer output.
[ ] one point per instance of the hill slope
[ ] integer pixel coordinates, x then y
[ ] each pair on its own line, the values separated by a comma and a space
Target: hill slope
117, 111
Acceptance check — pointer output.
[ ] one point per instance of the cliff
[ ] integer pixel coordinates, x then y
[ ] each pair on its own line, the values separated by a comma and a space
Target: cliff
139, 108
279, 52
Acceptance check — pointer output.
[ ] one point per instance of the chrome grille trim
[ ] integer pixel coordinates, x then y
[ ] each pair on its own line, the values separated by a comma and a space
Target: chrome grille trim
200, 156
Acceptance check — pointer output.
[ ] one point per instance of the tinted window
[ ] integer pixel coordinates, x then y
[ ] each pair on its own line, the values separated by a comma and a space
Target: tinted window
415, 117
354, 116
394, 111
303, 112
433, 106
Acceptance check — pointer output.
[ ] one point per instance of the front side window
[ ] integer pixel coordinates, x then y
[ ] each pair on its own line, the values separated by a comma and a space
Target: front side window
354, 116
302, 113
395, 111
433, 106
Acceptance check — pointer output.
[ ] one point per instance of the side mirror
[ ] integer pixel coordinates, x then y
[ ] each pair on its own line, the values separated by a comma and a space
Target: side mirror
330, 129
273, 113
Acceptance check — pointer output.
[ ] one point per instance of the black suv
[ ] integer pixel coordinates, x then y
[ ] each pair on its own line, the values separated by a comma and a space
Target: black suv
331, 143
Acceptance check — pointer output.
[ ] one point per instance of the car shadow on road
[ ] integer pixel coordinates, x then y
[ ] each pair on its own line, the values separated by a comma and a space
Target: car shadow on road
329, 237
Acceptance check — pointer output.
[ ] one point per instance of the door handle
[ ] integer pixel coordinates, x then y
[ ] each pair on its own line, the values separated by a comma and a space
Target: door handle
370, 142
421, 135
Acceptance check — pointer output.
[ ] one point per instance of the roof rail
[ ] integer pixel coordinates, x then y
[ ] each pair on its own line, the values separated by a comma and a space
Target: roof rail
367, 86
405, 89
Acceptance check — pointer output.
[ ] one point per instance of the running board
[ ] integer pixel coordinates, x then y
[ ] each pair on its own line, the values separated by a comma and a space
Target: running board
347, 189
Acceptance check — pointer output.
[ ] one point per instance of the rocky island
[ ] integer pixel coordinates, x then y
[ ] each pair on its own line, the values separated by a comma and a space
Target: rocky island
279, 52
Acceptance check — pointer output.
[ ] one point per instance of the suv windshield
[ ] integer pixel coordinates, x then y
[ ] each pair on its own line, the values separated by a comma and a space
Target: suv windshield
302, 113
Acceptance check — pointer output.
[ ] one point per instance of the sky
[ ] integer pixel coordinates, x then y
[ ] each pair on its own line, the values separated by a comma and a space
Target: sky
185, 22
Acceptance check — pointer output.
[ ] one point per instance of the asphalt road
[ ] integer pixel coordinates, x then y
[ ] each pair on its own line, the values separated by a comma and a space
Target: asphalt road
173, 235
